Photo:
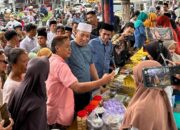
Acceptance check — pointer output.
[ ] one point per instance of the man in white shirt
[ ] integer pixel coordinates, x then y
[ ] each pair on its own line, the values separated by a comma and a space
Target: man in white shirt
12, 22
29, 42
52, 33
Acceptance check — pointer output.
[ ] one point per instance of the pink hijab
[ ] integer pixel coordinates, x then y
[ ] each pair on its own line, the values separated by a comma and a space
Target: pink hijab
149, 109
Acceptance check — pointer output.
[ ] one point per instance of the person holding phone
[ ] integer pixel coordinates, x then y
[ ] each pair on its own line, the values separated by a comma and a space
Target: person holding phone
149, 108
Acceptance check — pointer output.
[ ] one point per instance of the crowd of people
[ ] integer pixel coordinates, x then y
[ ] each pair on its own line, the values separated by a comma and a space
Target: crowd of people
49, 73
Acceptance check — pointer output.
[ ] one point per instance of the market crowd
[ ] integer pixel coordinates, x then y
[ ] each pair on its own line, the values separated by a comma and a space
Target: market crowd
48, 74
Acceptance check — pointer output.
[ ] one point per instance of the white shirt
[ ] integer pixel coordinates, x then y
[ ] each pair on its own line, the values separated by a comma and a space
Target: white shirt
28, 44
9, 89
50, 37
11, 24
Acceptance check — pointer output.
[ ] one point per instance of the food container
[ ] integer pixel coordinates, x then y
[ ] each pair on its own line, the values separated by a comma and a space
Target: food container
97, 98
112, 121
90, 108
99, 111
94, 103
82, 120
94, 122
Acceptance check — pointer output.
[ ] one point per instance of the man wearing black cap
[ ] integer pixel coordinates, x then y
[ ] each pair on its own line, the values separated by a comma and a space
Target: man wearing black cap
92, 19
42, 40
102, 49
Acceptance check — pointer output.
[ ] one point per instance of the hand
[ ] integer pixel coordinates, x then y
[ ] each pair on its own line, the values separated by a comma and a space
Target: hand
108, 77
9, 127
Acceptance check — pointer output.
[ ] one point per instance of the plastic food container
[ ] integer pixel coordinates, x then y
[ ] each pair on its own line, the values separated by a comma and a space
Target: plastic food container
82, 120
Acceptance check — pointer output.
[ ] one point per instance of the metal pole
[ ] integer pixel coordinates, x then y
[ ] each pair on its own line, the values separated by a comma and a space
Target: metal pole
14, 6
102, 5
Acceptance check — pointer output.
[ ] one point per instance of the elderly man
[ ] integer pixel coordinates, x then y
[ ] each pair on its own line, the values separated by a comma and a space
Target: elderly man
102, 49
81, 62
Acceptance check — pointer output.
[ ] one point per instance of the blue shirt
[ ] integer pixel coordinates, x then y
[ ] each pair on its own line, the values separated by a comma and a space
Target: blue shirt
80, 61
140, 36
102, 55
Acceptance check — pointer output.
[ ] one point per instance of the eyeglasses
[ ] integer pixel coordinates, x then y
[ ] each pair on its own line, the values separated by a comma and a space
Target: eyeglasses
3, 61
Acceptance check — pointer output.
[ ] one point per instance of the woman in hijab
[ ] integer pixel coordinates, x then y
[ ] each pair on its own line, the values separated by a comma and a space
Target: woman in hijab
28, 104
154, 49
151, 21
121, 54
140, 35
164, 21
149, 109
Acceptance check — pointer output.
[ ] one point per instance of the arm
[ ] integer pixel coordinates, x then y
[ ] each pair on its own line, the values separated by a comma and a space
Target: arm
93, 72
93, 69
88, 86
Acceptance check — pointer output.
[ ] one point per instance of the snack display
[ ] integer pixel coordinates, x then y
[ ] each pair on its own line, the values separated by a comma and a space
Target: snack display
113, 106
112, 121
81, 120
99, 111
129, 81
138, 56
95, 122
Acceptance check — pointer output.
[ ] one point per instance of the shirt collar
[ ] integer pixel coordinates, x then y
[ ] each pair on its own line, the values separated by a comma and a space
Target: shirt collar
58, 57
29, 39
102, 42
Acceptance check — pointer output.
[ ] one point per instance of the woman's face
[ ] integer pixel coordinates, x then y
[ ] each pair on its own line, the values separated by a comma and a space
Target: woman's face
3, 63
172, 49
120, 47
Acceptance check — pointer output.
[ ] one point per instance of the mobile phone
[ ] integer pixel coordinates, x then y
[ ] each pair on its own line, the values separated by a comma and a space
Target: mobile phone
116, 70
159, 76
5, 115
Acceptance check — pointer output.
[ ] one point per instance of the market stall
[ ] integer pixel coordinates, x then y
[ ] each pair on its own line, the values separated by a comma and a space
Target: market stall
106, 110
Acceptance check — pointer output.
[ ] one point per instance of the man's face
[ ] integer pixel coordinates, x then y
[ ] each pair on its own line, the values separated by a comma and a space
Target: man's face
105, 35
74, 27
16, 40
92, 19
22, 62
41, 40
128, 31
165, 7
82, 38
68, 33
11, 17
60, 32
64, 50
18, 30
53, 27
33, 32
